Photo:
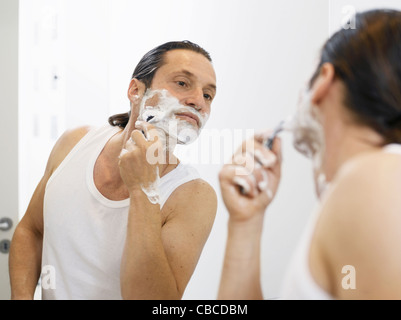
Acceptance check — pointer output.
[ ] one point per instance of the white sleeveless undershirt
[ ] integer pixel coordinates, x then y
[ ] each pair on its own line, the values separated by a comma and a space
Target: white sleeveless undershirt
298, 283
84, 232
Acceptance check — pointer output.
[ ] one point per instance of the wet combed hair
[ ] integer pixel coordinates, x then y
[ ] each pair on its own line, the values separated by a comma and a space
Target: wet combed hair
148, 66
367, 60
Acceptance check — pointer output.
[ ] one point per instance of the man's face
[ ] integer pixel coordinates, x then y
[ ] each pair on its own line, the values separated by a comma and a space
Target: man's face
189, 77
178, 103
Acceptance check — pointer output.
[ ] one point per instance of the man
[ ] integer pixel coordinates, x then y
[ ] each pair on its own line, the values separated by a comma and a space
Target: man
91, 222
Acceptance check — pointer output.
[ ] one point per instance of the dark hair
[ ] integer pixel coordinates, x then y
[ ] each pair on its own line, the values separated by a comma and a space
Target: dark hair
149, 64
368, 61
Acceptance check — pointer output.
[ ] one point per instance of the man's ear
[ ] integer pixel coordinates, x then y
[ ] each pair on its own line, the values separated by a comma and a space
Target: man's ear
136, 90
323, 82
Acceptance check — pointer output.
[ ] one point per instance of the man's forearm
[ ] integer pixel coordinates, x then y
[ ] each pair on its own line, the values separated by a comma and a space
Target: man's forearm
24, 263
145, 270
240, 278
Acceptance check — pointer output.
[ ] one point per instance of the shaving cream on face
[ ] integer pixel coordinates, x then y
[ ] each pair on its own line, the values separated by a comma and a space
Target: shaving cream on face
160, 108
308, 134
307, 131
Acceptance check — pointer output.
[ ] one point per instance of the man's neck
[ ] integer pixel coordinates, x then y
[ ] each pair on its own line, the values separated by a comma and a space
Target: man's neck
345, 143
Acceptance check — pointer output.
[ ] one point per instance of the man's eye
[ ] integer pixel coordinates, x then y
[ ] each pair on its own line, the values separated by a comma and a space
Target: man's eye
181, 83
208, 97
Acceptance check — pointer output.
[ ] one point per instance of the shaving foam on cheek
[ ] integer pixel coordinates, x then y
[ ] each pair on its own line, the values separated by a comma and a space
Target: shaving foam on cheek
308, 132
160, 108
308, 136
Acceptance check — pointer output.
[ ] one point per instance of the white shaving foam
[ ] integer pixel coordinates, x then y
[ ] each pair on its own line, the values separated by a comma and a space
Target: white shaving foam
308, 132
163, 108
164, 117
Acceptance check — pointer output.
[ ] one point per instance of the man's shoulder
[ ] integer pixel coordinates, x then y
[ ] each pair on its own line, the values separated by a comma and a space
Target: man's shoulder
369, 176
198, 187
68, 140
73, 136
193, 197
363, 202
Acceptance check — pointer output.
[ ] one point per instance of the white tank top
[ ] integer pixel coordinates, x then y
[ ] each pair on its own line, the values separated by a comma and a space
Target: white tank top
84, 232
298, 283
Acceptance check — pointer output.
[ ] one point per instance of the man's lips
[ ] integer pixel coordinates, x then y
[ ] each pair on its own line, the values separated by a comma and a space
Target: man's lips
190, 117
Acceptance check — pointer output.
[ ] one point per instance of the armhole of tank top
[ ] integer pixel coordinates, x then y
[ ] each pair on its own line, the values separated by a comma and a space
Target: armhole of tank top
80, 143
192, 176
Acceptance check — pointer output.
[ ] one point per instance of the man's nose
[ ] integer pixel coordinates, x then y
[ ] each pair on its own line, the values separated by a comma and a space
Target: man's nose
195, 100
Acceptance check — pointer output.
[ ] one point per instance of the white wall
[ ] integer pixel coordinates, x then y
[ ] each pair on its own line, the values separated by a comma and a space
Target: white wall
263, 53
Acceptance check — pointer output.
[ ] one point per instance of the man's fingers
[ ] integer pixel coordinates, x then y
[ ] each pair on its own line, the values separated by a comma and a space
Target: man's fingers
265, 157
277, 149
138, 138
123, 152
262, 138
148, 130
130, 145
240, 178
